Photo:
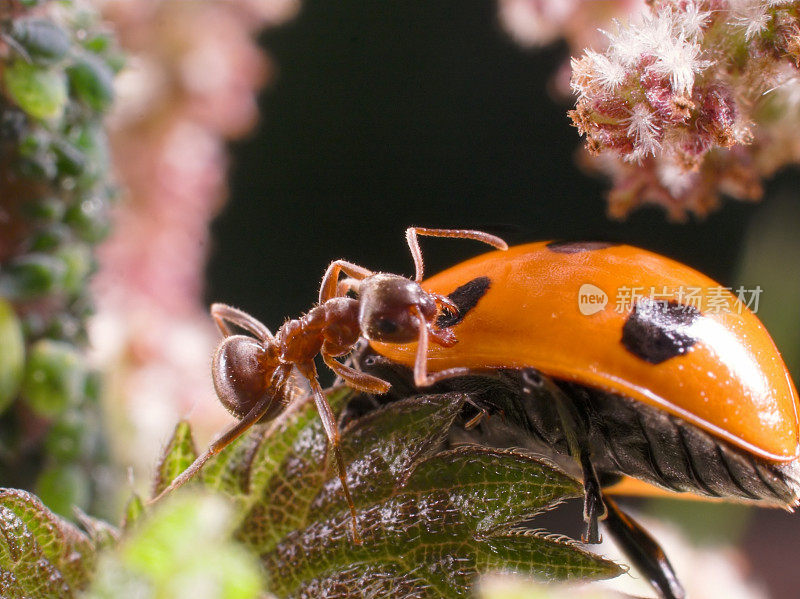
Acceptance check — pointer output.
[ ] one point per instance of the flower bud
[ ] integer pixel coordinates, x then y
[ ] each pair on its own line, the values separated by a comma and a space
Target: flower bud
41, 39
12, 354
54, 377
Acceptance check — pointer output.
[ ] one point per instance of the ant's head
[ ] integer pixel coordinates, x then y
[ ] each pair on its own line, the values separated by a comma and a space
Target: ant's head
387, 305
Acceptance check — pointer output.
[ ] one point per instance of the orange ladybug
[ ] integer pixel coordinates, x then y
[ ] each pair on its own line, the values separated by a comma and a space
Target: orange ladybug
674, 383
628, 363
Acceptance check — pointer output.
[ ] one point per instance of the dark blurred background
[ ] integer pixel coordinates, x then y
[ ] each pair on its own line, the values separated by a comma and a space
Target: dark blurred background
390, 114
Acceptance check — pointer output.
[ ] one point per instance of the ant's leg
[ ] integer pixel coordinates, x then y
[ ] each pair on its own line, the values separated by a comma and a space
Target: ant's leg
230, 435
223, 313
416, 253
330, 279
643, 551
421, 376
355, 379
332, 430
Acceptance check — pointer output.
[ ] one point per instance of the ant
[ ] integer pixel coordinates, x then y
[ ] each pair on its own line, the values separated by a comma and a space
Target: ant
253, 375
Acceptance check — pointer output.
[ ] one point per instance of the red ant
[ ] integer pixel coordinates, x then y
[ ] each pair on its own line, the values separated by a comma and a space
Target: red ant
252, 375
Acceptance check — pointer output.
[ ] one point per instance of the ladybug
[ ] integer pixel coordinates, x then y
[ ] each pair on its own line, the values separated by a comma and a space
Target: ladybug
628, 365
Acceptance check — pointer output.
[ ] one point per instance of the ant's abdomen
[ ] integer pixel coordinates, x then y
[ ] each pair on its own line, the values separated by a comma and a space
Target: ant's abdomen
241, 374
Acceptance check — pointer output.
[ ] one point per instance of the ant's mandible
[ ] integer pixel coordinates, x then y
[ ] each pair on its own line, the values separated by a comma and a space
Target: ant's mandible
252, 375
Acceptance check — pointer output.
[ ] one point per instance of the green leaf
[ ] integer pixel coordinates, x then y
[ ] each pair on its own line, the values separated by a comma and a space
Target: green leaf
244, 468
39, 91
101, 533
134, 511
431, 520
12, 354
444, 532
517, 587
177, 457
481, 480
381, 449
41, 555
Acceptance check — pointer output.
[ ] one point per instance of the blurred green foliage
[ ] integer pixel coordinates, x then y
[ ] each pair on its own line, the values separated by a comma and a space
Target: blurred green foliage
183, 549
432, 520
56, 85
41, 555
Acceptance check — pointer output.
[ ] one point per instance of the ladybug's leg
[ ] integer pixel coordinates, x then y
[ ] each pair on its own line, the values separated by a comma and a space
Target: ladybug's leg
482, 414
576, 435
594, 508
643, 551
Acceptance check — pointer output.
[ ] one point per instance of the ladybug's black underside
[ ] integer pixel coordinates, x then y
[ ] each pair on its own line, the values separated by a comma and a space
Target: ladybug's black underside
622, 436
598, 436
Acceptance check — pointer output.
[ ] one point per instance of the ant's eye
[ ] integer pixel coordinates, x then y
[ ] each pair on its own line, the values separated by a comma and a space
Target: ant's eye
386, 326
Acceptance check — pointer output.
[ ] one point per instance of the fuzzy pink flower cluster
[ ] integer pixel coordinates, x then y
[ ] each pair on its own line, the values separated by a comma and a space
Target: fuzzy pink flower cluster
693, 99
538, 22
580, 23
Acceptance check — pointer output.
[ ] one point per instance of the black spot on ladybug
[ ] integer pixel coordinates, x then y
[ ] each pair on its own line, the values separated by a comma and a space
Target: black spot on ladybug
575, 247
658, 330
466, 298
